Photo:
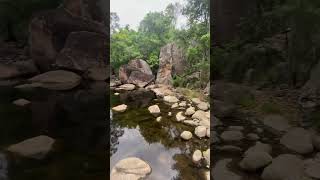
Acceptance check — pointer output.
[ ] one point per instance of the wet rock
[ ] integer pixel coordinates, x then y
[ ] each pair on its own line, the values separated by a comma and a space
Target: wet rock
197, 156
180, 117
200, 131
56, 80
255, 160
36, 147
170, 99
190, 111
154, 110
276, 122
21, 102
298, 140
130, 168
221, 171
120, 108
284, 167
127, 87
232, 136
203, 106
186, 135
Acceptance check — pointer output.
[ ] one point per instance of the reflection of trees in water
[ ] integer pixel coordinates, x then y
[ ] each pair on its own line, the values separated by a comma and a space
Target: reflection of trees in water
186, 169
115, 132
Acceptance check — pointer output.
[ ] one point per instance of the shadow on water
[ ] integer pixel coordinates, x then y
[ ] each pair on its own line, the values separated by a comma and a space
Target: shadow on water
76, 119
136, 133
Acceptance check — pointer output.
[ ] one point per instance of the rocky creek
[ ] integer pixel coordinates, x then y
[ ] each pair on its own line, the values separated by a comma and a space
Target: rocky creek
136, 132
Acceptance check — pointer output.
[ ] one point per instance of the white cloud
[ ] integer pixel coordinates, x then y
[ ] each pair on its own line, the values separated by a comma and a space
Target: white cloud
132, 11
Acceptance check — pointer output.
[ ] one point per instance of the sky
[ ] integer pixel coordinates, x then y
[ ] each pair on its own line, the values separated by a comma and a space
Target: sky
132, 11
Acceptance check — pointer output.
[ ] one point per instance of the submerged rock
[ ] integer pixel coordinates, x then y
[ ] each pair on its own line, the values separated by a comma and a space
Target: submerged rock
36, 147
120, 108
221, 171
131, 168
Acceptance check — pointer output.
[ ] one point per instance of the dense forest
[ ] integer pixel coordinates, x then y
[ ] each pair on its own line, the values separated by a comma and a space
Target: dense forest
160, 28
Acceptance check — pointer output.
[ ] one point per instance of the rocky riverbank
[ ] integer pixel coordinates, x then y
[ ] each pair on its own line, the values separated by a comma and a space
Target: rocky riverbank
257, 135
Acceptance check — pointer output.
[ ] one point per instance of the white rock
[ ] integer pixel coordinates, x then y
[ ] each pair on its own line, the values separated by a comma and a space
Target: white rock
131, 168
116, 94
186, 135
190, 111
127, 87
159, 119
120, 108
170, 99
180, 117
175, 105
169, 113
36, 147
200, 131
196, 100
154, 110
197, 156
21, 102
183, 104
203, 106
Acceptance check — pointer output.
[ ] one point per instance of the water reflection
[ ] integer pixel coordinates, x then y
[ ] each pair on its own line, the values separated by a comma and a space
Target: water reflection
136, 133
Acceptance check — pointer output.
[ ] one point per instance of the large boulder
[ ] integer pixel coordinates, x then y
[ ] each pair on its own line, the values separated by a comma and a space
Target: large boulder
136, 72
49, 31
130, 168
171, 62
83, 51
